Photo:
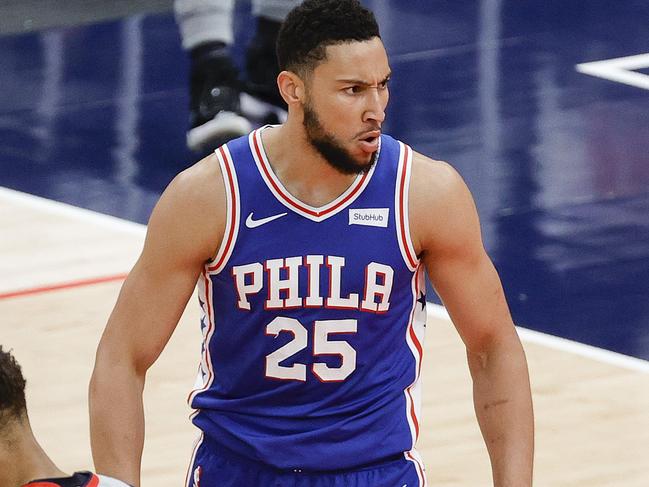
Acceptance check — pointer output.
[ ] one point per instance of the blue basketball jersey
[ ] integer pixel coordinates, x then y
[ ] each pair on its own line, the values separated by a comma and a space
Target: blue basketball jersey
312, 319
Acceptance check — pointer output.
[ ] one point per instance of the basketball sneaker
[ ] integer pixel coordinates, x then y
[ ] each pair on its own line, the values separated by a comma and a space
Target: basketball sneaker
261, 100
214, 106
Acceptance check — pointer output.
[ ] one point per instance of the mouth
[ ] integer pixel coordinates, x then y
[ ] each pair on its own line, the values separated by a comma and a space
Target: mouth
369, 141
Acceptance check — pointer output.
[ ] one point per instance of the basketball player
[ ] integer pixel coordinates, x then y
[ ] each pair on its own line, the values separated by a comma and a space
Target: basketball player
22, 460
309, 242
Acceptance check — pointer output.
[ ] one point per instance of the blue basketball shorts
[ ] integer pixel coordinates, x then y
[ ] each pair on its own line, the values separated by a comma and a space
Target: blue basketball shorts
214, 466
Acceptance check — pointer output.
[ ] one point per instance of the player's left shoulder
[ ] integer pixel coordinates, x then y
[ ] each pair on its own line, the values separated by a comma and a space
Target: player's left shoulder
434, 183
441, 208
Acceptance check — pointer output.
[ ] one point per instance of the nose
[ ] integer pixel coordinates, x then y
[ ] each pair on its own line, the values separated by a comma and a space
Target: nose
377, 100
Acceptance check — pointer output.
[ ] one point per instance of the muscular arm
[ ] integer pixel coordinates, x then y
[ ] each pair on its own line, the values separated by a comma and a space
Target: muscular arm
183, 232
447, 236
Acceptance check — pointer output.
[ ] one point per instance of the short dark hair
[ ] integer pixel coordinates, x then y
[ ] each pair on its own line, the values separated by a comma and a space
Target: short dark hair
315, 24
12, 389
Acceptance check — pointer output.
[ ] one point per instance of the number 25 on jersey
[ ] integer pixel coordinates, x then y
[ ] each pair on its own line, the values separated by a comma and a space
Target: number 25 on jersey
322, 330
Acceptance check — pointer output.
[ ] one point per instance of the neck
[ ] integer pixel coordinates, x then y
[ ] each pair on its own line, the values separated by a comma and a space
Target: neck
300, 167
22, 459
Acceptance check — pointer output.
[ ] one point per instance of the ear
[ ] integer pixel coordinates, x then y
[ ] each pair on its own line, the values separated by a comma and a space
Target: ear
291, 87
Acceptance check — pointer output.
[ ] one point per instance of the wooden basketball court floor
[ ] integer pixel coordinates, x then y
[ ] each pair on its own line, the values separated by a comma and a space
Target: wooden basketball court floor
61, 269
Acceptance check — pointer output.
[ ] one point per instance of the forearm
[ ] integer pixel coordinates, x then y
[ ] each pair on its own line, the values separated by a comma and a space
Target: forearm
503, 405
117, 420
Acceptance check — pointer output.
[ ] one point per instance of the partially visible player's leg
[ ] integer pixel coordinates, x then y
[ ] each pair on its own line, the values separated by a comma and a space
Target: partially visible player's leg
214, 98
203, 21
261, 59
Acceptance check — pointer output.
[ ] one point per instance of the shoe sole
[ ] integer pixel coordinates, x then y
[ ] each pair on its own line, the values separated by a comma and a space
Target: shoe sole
260, 110
223, 127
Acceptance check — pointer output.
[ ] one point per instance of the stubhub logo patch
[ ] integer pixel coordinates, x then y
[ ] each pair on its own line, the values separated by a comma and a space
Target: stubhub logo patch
371, 217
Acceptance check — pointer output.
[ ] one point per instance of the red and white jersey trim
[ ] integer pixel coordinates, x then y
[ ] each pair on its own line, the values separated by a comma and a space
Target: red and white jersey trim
401, 207
233, 211
205, 375
414, 457
415, 333
190, 470
316, 214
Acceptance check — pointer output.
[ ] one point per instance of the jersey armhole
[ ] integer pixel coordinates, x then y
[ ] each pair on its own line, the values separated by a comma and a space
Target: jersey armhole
401, 208
232, 213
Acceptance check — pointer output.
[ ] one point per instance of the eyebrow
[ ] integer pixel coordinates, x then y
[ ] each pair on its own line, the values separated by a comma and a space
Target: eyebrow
363, 82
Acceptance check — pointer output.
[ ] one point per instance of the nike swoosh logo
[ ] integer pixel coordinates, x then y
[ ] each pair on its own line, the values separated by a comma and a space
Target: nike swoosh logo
250, 223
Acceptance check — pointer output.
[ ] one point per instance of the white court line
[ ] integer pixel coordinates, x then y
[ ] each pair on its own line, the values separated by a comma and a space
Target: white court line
434, 310
564, 345
619, 69
58, 208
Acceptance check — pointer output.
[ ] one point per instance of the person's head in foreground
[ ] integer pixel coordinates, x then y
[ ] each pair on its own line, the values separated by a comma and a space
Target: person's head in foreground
334, 75
21, 457
22, 460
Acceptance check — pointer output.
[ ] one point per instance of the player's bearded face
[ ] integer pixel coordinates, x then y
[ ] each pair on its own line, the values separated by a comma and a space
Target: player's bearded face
330, 148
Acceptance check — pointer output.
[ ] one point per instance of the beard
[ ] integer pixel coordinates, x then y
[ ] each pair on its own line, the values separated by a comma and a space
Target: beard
330, 149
